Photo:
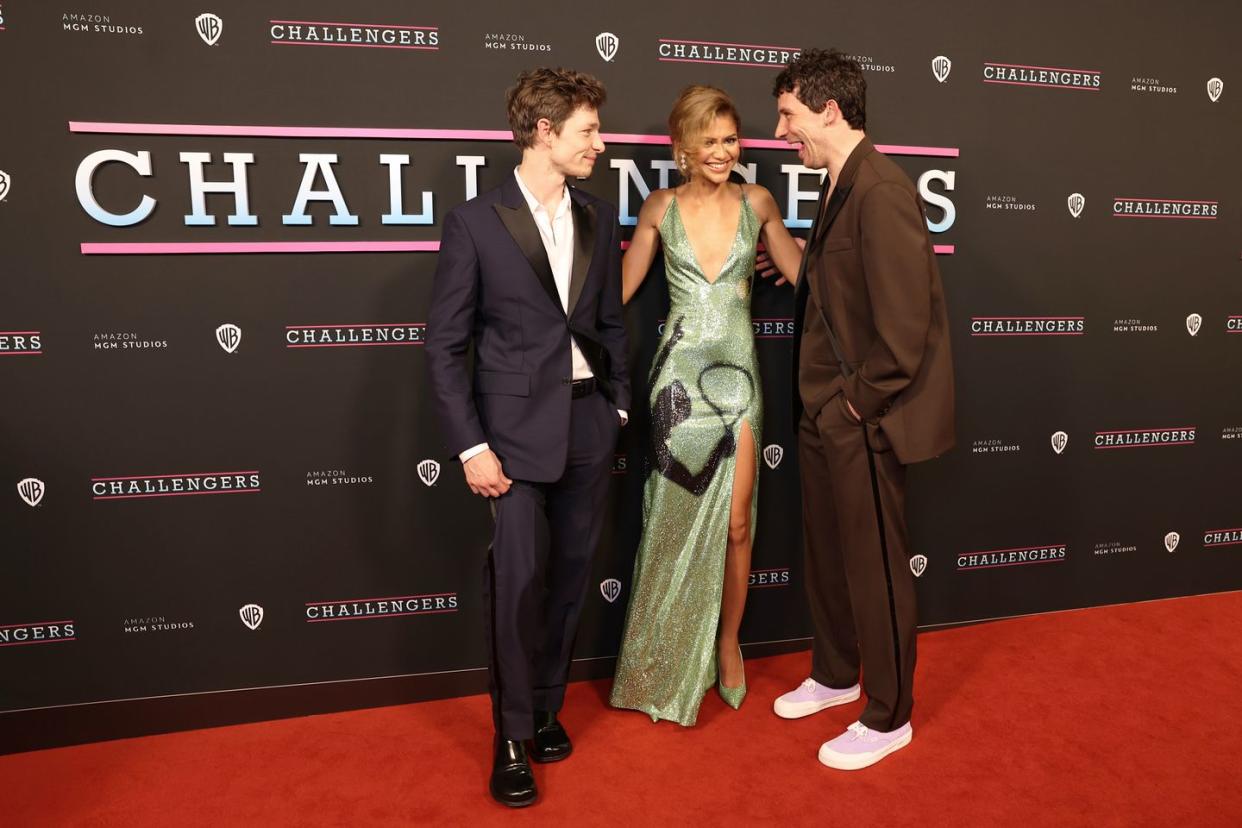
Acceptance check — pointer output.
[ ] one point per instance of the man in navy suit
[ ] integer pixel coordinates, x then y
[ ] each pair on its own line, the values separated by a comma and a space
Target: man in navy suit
530, 273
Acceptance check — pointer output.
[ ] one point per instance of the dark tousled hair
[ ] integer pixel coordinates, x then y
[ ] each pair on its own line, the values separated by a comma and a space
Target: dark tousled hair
554, 94
818, 76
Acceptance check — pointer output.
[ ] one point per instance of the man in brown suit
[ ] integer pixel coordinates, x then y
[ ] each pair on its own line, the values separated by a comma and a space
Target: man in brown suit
874, 393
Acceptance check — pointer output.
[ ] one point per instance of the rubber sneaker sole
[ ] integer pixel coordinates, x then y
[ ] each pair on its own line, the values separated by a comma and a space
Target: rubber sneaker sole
858, 761
796, 710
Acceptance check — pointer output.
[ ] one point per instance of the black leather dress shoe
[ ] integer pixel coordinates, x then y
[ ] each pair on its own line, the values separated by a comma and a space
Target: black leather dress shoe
512, 783
551, 742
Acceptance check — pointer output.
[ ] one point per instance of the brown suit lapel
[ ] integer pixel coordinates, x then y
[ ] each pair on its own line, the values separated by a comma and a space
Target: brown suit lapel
845, 182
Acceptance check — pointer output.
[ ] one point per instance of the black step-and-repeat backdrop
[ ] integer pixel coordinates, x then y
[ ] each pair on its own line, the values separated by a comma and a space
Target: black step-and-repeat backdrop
218, 227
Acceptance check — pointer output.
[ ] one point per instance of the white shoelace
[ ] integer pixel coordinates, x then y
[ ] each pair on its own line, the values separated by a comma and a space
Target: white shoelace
810, 684
859, 730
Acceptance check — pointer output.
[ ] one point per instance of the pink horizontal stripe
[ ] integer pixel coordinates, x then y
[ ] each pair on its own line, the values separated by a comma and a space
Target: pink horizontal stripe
765, 586
1141, 430
1017, 549
1207, 532
1140, 215
1164, 200
1147, 445
1045, 85
359, 325
1035, 333
718, 43
1049, 68
1015, 563
901, 149
721, 62
980, 318
176, 494
181, 248
159, 248
21, 353
771, 319
20, 332
774, 569
354, 25
1227, 543
70, 621
163, 476
352, 344
887, 149
44, 641
275, 131
388, 615
355, 45
640, 138
389, 598
270, 131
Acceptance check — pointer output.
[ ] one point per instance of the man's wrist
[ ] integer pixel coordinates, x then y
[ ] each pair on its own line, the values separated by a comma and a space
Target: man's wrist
472, 451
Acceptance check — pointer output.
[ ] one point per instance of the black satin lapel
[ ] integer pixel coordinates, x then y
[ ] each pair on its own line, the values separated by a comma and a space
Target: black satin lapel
584, 246
521, 226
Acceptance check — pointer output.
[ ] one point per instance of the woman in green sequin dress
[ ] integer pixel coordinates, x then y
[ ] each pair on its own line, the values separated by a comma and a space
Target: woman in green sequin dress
699, 505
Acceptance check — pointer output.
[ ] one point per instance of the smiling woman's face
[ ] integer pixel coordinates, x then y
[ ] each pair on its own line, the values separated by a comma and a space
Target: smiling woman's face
715, 152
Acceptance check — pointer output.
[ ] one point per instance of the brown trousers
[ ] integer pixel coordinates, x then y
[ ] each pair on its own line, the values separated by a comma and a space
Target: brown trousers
857, 567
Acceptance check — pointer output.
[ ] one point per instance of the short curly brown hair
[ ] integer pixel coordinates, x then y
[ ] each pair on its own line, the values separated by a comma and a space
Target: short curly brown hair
817, 76
554, 94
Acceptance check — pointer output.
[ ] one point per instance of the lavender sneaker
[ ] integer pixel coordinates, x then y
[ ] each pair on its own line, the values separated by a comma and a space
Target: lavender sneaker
860, 746
811, 697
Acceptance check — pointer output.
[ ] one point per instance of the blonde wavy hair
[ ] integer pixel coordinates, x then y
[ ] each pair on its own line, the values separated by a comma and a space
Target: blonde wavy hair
693, 113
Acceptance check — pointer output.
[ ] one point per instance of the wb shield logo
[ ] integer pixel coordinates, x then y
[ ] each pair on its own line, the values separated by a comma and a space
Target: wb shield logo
4, 184
1076, 202
1214, 87
429, 472
772, 455
1171, 541
610, 588
251, 615
229, 337
1193, 323
607, 43
918, 565
1059, 441
31, 490
941, 67
209, 27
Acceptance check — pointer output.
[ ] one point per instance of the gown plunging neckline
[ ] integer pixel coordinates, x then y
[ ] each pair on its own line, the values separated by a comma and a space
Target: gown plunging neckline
694, 255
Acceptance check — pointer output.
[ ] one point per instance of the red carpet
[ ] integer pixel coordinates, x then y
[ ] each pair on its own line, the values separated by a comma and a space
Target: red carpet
1118, 716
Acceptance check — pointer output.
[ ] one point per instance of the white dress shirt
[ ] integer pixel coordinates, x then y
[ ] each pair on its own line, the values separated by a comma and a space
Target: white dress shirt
557, 232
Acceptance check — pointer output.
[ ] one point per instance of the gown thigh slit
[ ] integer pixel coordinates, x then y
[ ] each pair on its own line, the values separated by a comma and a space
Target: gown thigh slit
705, 388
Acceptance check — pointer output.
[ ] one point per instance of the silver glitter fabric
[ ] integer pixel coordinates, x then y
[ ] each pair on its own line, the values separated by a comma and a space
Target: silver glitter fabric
704, 390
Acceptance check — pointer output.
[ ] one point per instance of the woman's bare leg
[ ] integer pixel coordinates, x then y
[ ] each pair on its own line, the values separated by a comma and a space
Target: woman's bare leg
737, 559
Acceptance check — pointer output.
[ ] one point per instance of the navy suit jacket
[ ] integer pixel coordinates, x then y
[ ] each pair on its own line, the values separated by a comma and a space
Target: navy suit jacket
494, 289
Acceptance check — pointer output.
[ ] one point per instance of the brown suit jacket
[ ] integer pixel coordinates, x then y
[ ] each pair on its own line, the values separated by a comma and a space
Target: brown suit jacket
870, 267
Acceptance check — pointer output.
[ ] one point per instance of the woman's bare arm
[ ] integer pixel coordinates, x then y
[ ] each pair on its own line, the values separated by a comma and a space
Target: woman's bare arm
644, 244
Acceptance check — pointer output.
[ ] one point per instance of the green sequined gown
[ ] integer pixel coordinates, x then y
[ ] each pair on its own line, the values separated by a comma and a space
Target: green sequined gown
704, 389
